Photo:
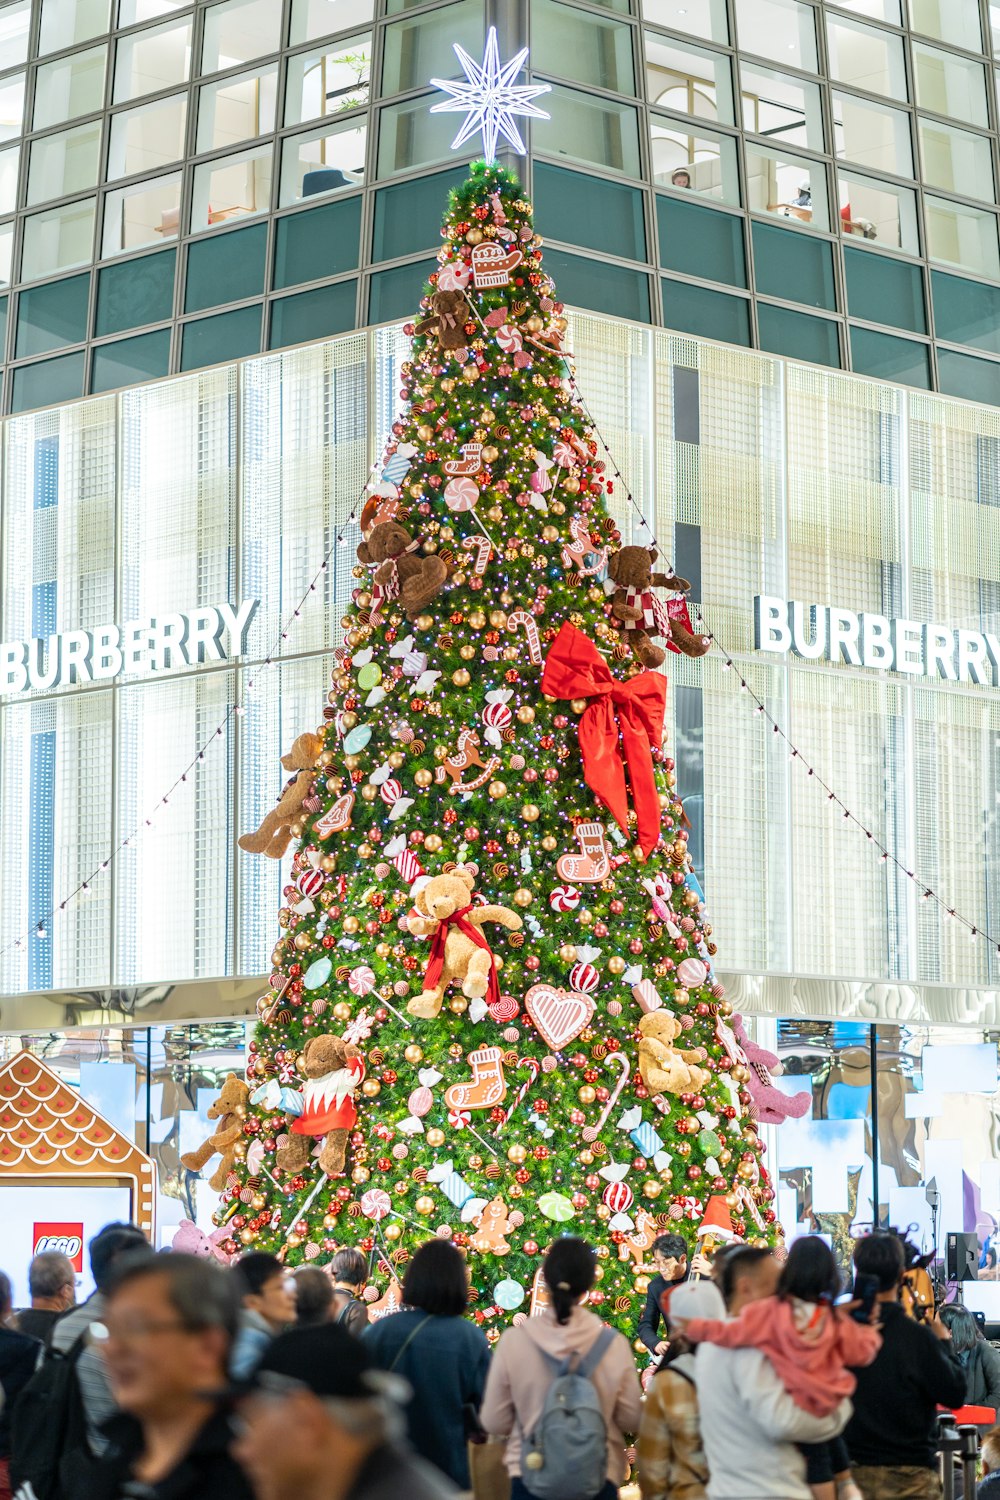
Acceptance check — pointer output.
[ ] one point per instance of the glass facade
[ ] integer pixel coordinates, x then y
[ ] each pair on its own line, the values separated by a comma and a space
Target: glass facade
809, 179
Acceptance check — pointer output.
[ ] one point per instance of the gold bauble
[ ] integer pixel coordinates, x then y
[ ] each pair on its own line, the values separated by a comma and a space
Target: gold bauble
476, 620
369, 792
739, 1074
523, 897
470, 374
652, 1188
351, 924
495, 513
458, 1005
683, 1148
258, 1202
352, 762
616, 964
371, 1088
602, 1211
424, 1205
725, 1157
424, 622
586, 1094
526, 714
550, 533
328, 863
534, 324
414, 1054
549, 843
303, 941
435, 1137
461, 678
585, 1158
393, 1231
466, 652
746, 1170
382, 950
568, 953
497, 789
641, 1284
585, 917
577, 705
530, 812
474, 236
432, 843
425, 433
571, 484
342, 1011
516, 1154
490, 454
360, 1174
396, 758
423, 777
498, 619
329, 1221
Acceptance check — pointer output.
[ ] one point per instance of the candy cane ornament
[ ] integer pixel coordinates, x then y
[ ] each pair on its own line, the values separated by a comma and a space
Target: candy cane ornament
534, 1068
521, 617
591, 1132
481, 547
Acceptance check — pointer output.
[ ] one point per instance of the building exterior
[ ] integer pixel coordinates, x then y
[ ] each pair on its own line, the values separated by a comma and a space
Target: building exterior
183, 184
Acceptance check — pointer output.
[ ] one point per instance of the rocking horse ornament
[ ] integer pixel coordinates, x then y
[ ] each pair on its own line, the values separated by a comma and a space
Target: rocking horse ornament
461, 759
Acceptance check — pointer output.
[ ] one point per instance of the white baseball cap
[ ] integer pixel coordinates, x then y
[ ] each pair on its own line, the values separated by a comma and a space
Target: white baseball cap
694, 1299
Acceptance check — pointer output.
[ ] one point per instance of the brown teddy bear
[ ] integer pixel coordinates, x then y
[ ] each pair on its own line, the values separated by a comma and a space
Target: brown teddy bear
456, 957
642, 614
333, 1070
449, 315
230, 1110
665, 1069
391, 550
275, 833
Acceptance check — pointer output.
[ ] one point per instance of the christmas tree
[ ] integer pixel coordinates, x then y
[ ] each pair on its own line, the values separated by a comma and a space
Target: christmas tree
492, 1013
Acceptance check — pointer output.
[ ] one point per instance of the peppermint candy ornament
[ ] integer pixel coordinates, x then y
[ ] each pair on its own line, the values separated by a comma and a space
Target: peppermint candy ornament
361, 981
461, 494
390, 791
311, 882
584, 978
564, 898
375, 1204
618, 1196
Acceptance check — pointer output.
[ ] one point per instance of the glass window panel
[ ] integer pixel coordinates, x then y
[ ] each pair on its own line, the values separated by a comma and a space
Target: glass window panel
962, 236
143, 214
414, 51
966, 312
231, 188
704, 18
866, 58
873, 135
956, 160
587, 129
778, 28
394, 294
48, 382
881, 290
871, 210
226, 336
8, 179
605, 288
236, 109
65, 22
15, 23
798, 336
698, 241
953, 21
135, 292
149, 61
709, 315
237, 31
781, 107
3, 322
71, 86
972, 379
148, 137
131, 12
792, 265
947, 84
131, 361
225, 268
68, 162
877, 10
410, 136
702, 162
322, 161
408, 216
690, 80
313, 315
6, 252
315, 18
792, 187
889, 358
11, 106
324, 83
57, 239
581, 47
52, 315
320, 242
605, 216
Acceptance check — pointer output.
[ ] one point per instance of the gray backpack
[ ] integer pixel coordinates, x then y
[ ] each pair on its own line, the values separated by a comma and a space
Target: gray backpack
565, 1456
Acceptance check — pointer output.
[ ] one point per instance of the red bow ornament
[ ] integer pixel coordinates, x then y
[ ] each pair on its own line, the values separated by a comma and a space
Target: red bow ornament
634, 709
435, 962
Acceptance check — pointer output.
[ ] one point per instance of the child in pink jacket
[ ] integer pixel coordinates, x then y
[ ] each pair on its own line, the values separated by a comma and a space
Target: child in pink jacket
810, 1343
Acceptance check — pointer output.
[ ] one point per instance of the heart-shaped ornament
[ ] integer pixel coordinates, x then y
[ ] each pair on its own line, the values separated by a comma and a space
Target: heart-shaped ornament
558, 1015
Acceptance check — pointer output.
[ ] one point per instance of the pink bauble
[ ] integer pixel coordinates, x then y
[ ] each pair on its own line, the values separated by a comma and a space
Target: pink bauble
691, 972
515, 1218
511, 1034
614, 1007
420, 1101
461, 494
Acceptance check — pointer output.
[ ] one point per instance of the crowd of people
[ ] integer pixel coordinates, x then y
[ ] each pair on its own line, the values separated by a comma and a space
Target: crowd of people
179, 1379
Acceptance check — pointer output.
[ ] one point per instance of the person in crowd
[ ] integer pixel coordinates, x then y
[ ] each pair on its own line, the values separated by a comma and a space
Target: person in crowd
670, 1454
891, 1438
988, 1265
989, 1486
167, 1327
527, 1358
750, 1424
313, 1297
268, 1297
349, 1269
442, 1355
670, 1261
18, 1358
317, 1422
978, 1359
105, 1251
680, 177
810, 1344
52, 1287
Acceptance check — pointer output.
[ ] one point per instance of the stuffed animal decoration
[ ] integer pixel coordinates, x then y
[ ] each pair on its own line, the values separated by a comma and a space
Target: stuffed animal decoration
642, 614
665, 1069
230, 1110
392, 552
190, 1240
333, 1070
449, 315
459, 953
769, 1105
275, 833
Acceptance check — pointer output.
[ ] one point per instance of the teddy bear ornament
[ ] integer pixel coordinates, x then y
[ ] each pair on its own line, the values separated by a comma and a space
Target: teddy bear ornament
460, 954
399, 570
642, 615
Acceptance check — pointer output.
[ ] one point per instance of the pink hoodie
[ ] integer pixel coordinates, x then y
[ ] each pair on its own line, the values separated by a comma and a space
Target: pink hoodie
808, 1343
519, 1379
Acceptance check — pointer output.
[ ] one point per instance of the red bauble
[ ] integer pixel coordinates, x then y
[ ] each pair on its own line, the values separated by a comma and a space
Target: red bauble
694, 1172
530, 1247
618, 1196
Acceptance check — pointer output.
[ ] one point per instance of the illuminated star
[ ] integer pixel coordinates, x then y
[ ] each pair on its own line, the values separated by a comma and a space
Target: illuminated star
491, 98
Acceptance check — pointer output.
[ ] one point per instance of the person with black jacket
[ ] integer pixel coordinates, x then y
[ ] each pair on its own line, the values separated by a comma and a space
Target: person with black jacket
349, 1269
892, 1436
670, 1259
18, 1358
979, 1360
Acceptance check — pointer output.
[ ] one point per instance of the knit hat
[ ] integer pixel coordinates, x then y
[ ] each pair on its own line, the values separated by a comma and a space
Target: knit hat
694, 1299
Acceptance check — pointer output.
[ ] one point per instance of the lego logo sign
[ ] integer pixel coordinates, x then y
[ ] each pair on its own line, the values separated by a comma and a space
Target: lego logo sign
66, 1239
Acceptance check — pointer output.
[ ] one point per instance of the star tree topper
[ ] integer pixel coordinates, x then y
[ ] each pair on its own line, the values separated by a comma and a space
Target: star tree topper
491, 98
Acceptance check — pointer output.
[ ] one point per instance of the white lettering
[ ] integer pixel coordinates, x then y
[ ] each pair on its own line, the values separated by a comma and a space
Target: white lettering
908, 645
771, 631
972, 659
809, 650
46, 676
75, 651
238, 623
166, 642
876, 642
993, 647
136, 644
844, 627
204, 635
105, 656
939, 652
13, 669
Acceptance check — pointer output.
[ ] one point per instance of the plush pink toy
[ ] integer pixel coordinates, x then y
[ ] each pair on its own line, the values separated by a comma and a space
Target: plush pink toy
769, 1105
194, 1241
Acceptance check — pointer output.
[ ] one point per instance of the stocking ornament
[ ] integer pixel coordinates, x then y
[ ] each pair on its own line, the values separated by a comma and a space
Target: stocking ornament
593, 863
487, 1086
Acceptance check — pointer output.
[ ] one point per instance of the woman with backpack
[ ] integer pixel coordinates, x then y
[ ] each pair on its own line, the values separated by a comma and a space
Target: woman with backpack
563, 1390
349, 1270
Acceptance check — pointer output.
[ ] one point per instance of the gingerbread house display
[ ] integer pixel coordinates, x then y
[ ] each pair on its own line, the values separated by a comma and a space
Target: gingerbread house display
49, 1134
